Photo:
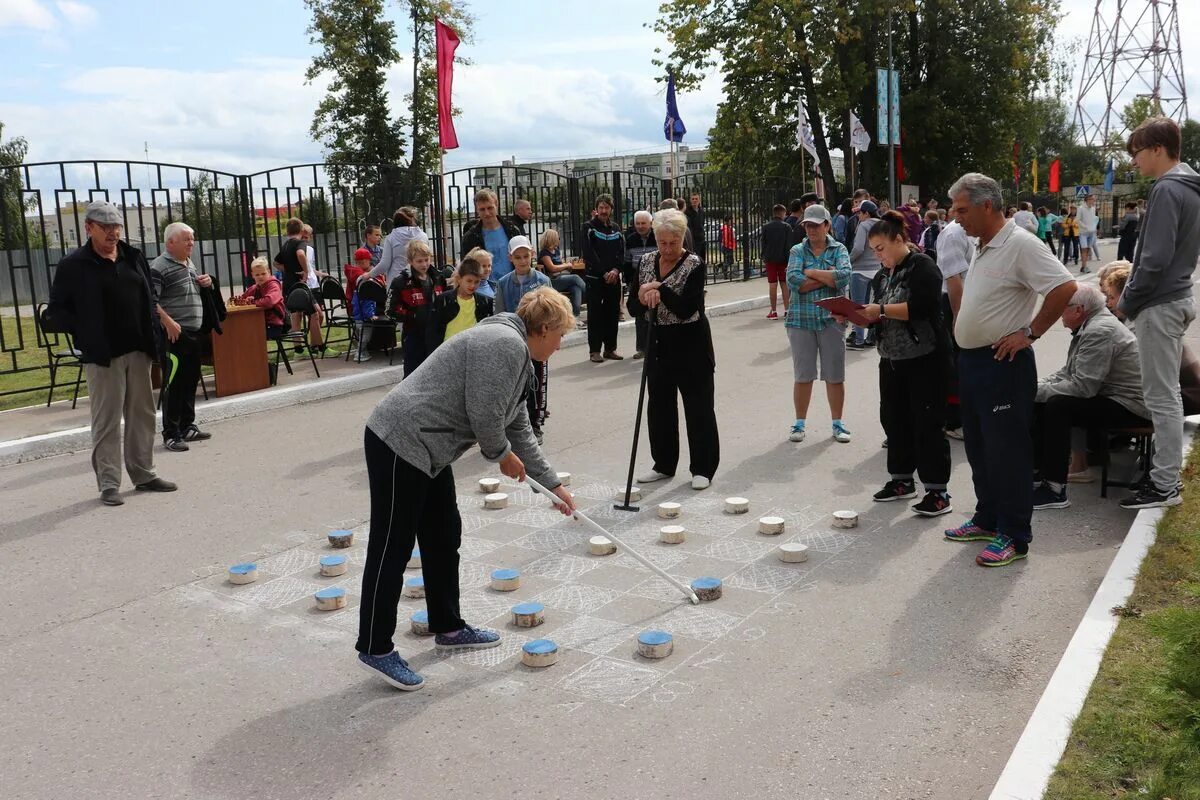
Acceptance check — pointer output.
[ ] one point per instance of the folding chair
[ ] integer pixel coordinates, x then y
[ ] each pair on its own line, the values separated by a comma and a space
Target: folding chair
299, 301
333, 297
375, 292
58, 354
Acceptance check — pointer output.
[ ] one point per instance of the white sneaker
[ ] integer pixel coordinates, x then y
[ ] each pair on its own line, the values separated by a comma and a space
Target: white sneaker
700, 482
840, 434
797, 434
652, 476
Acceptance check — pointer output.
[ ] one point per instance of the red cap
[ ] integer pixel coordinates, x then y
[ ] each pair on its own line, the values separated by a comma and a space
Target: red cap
362, 253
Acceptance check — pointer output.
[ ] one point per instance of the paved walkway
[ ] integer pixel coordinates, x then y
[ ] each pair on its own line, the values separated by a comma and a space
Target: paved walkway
888, 665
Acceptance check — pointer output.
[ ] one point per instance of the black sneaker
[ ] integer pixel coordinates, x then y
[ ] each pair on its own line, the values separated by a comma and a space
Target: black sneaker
895, 490
1044, 497
176, 445
194, 434
933, 504
856, 345
1151, 497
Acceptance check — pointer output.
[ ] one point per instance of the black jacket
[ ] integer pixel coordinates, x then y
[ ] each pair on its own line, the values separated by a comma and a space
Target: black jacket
75, 305
695, 221
776, 241
473, 234
445, 309
603, 248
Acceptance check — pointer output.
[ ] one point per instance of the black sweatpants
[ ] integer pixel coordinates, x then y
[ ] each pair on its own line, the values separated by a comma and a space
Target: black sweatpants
604, 311
537, 400
1052, 423
179, 406
997, 410
912, 407
692, 379
406, 506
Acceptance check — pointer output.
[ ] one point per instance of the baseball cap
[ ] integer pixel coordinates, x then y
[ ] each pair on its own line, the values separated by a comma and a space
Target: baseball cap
868, 207
362, 253
103, 213
815, 215
517, 242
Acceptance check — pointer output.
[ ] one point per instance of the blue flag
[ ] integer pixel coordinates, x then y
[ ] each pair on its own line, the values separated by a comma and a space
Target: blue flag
1110, 175
673, 127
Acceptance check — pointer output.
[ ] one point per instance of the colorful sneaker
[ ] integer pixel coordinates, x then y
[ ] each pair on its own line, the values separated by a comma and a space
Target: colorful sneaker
1044, 497
1001, 552
969, 532
1150, 497
933, 504
895, 490
772, 315
393, 669
797, 434
840, 433
467, 639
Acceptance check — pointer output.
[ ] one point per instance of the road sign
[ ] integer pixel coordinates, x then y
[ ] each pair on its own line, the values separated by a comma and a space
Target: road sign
1083, 191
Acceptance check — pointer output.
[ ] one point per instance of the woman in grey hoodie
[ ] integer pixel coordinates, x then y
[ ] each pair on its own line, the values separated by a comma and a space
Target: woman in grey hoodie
470, 391
394, 260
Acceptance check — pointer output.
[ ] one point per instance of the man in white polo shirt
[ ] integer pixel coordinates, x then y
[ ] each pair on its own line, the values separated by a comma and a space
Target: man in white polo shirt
1089, 224
995, 329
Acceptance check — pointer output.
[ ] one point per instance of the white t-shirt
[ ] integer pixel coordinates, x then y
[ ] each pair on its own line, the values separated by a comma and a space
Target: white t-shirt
1087, 219
1007, 276
953, 252
312, 280
1027, 220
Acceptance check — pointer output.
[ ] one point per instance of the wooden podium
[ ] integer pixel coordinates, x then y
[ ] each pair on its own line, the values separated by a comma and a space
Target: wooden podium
240, 352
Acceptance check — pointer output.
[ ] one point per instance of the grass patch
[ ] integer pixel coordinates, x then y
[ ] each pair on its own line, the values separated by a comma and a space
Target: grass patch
1138, 735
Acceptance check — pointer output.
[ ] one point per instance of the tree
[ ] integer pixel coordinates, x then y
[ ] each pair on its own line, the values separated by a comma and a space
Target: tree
357, 46
13, 204
1190, 153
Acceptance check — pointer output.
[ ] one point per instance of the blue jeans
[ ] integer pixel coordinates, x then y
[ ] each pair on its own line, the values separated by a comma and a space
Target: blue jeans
572, 285
860, 292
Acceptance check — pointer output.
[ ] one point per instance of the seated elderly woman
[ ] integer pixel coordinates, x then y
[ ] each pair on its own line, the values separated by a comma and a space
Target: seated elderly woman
669, 287
1100, 387
470, 390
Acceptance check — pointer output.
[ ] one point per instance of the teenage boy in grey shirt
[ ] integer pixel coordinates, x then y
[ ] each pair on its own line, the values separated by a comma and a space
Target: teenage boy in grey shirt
1158, 296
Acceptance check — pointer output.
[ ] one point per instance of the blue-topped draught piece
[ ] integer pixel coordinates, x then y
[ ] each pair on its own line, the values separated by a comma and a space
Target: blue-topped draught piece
243, 573
539, 653
332, 566
506, 580
419, 622
330, 598
341, 538
655, 644
414, 561
707, 588
528, 615
414, 587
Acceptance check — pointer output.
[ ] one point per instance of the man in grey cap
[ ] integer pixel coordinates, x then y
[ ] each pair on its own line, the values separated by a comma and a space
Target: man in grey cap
102, 295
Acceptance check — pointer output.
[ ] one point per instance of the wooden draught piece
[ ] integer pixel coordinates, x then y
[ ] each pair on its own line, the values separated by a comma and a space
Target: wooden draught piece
506, 580
414, 561
341, 538
669, 510
539, 653
528, 615
565, 479
414, 587
243, 573
736, 505
655, 644
489, 485
672, 534
419, 622
601, 546
331, 598
496, 501
845, 519
332, 566
771, 526
635, 494
707, 588
792, 552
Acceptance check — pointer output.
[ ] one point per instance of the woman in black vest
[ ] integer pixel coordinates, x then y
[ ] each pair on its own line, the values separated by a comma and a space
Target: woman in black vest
914, 351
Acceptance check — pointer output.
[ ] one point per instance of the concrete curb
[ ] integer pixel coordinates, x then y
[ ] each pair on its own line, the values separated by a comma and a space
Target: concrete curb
1044, 739
17, 451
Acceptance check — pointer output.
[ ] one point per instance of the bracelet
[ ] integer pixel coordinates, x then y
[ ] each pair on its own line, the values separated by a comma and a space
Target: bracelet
882, 312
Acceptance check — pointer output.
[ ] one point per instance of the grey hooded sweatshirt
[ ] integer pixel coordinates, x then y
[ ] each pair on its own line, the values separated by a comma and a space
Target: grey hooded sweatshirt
1168, 245
470, 390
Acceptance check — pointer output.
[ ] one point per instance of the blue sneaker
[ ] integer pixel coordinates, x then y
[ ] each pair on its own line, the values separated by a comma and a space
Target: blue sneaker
468, 639
393, 669
840, 433
797, 434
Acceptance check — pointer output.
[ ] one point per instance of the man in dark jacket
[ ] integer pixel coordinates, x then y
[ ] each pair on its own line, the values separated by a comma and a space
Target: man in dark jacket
603, 249
695, 220
102, 295
491, 232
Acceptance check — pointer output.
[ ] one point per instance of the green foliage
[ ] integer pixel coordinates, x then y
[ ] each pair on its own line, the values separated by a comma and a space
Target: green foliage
968, 74
1191, 144
1138, 110
357, 46
211, 211
13, 206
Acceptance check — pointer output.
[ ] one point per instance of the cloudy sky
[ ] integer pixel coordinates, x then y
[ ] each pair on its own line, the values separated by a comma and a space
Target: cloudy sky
221, 85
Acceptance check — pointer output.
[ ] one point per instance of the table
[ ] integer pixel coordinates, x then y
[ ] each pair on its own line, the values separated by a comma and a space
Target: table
240, 351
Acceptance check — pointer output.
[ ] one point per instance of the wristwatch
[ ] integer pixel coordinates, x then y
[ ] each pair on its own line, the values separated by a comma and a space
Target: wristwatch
1028, 331
882, 311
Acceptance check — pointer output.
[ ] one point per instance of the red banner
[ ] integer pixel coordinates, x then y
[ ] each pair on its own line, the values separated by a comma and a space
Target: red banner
1055, 177
447, 43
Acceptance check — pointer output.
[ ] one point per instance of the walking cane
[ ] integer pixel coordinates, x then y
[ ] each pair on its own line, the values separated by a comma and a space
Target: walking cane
637, 424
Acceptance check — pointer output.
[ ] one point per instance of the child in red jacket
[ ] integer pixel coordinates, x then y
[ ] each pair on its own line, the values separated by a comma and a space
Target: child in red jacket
410, 301
267, 294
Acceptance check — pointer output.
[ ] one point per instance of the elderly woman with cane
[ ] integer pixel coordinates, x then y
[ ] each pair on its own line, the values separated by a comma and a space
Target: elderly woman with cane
680, 360
471, 390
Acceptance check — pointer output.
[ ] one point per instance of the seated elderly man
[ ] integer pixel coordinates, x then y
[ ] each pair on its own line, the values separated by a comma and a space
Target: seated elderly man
1099, 387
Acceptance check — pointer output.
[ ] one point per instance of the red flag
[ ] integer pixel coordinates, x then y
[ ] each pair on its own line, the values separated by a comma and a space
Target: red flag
447, 43
1055, 178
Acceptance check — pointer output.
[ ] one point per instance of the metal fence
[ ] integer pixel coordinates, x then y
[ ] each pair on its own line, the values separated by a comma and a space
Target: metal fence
239, 217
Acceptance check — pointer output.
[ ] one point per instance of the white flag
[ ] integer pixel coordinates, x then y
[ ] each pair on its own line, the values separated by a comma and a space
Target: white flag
804, 134
860, 140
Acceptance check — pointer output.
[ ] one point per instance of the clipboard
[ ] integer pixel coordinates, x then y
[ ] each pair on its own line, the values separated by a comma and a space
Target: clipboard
845, 307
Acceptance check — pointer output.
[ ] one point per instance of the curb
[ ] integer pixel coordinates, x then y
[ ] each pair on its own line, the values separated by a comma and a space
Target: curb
32, 448
1042, 743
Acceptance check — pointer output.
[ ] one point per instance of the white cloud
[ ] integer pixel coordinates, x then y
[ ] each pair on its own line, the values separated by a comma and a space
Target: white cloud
76, 13
25, 14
